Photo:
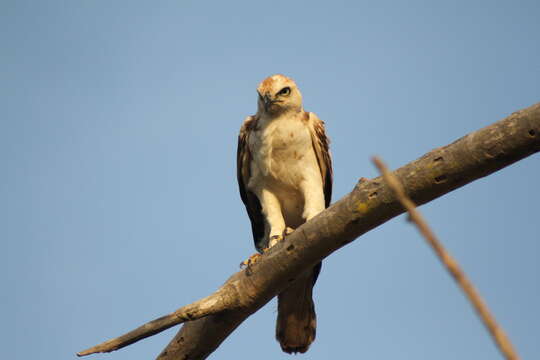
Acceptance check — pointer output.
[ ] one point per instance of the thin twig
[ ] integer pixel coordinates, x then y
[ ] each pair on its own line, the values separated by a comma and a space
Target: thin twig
207, 306
498, 334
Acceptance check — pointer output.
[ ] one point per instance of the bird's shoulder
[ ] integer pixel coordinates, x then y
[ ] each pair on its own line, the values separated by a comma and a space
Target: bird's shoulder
249, 124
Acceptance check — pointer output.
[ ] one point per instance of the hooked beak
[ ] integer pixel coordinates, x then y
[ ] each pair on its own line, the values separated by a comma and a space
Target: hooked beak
267, 101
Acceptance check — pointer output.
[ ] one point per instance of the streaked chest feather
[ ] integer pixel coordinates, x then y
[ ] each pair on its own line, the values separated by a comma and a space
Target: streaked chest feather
282, 151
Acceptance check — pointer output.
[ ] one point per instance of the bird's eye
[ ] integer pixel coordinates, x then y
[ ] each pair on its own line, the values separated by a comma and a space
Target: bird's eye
285, 91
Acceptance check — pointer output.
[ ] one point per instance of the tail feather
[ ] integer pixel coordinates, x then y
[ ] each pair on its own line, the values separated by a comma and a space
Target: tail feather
297, 323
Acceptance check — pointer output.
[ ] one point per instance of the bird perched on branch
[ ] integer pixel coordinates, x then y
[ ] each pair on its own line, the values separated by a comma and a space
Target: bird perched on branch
285, 177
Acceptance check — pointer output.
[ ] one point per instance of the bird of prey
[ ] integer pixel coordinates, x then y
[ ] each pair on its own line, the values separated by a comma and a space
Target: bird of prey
285, 178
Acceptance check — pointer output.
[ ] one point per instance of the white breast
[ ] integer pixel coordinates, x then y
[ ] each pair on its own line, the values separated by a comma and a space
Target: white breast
283, 157
282, 151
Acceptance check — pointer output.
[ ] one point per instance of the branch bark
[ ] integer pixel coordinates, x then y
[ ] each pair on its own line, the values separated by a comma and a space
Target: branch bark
370, 204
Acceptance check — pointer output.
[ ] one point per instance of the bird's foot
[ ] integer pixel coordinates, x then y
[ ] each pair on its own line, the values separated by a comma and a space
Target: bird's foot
288, 231
275, 239
250, 261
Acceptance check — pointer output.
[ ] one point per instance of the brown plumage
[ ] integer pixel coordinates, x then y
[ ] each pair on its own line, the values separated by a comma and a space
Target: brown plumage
285, 178
296, 324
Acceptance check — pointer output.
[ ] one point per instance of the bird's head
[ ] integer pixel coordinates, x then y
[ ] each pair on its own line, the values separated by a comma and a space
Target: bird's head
278, 94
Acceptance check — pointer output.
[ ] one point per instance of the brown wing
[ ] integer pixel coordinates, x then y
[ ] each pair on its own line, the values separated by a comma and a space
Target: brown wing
321, 145
243, 171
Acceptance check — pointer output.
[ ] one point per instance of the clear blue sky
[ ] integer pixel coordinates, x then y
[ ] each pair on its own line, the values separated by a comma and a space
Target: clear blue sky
119, 200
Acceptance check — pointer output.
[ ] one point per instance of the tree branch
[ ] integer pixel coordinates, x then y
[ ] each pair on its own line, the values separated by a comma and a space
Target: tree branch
219, 301
497, 333
370, 204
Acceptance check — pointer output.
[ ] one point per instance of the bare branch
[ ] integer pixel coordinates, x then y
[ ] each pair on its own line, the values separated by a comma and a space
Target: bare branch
370, 204
209, 305
497, 332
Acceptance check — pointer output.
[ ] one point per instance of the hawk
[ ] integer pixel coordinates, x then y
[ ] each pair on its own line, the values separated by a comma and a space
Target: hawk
285, 178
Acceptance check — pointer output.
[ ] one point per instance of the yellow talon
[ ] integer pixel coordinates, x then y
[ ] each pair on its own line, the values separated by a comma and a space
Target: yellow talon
250, 261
